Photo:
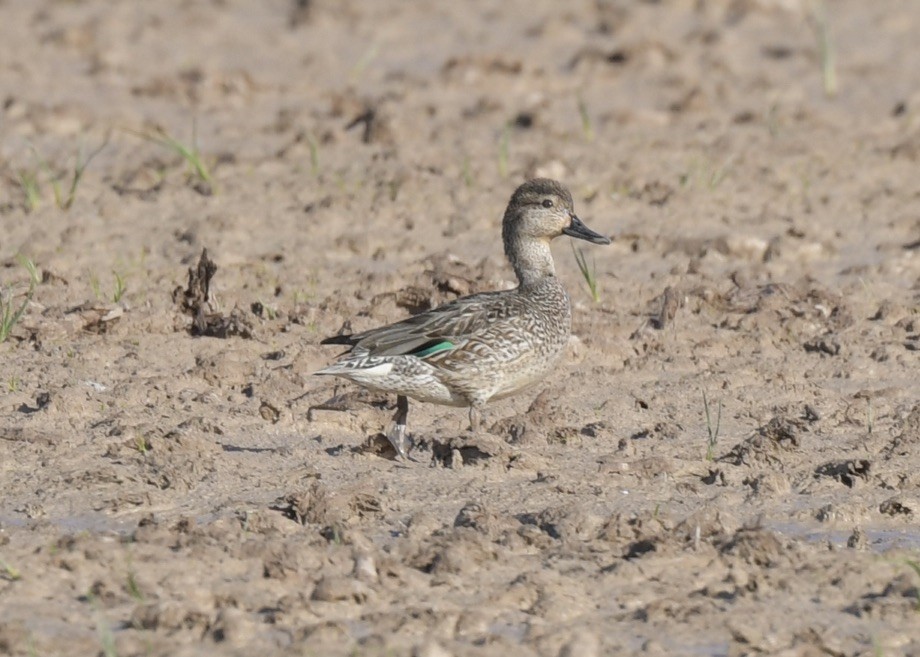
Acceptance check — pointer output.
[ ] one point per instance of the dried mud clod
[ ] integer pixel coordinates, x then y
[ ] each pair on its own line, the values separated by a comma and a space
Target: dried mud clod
538, 425
444, 277
197, 302
900, 506
468, 449
671, 300
308, 506
907, 438
269, 412
848, 472
781, 435
756, 546
97, 317
376, 125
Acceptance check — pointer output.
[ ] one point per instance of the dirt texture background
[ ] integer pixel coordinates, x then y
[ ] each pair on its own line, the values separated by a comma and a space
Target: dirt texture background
179, 485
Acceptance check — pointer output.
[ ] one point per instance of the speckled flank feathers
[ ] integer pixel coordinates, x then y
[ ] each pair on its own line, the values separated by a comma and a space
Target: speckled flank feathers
484, 346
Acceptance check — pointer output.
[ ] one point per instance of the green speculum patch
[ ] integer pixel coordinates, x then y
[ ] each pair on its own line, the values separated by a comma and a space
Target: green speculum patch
433, 347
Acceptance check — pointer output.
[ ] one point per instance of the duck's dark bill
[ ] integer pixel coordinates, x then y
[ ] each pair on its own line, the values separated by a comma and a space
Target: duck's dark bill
582, 232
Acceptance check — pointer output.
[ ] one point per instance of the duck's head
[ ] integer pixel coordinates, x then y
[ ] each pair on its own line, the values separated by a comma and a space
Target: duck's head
542, 209
539, 211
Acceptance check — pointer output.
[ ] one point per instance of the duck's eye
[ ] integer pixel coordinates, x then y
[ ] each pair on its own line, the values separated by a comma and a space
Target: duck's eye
547, 203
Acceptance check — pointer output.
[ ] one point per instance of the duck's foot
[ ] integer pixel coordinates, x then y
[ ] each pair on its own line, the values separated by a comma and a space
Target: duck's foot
397, 435
400, 440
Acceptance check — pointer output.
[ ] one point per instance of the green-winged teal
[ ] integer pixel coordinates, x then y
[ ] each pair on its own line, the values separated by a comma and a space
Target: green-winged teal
484, 346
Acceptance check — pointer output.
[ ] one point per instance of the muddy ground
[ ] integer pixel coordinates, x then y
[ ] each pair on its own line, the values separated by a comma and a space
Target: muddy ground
174, 484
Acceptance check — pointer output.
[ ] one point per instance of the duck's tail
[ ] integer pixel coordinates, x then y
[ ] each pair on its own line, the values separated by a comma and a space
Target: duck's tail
345, 338
357, 369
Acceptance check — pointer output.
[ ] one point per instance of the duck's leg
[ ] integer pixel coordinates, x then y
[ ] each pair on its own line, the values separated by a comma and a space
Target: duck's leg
475, 417
397, 435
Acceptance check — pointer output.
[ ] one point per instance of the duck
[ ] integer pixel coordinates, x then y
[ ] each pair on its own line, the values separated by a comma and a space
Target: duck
482, 347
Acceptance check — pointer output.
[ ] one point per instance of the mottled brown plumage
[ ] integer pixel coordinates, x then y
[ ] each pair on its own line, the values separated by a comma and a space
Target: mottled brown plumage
484, 346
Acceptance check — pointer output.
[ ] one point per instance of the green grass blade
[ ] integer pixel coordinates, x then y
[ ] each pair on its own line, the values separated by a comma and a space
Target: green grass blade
588, 273
10, 317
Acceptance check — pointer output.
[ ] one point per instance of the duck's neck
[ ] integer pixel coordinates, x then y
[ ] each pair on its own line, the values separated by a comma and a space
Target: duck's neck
531, 259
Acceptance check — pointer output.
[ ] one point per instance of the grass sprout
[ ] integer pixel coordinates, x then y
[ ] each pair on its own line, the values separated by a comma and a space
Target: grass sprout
313, 145
467, 171
28, 181
712, 431
120, 287
504, 145
827, 52
363, 62
133, 589
118, 290
705, 173
270, 312
586, 126
10, 314
131, 586
142, 445
64, 196
188, 152
106, 637
9, 572
103, 629
65, 201
95, 286
915, 566
589, 273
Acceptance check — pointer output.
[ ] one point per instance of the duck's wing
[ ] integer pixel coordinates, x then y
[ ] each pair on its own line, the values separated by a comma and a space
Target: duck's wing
443, 328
